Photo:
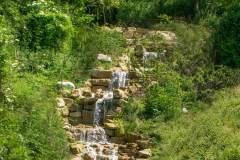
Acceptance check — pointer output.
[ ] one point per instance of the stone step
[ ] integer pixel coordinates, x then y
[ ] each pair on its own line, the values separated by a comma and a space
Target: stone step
100, 82
101, 74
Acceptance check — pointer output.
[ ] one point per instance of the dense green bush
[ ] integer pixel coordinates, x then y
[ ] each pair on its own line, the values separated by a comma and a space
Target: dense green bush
138, 12
30, 127
226, 40
165, 98
47, 31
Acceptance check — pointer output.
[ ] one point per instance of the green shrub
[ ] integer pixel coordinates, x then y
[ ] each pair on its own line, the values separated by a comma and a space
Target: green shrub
164, 99
226, 42
208, 80
137, 12
47, 31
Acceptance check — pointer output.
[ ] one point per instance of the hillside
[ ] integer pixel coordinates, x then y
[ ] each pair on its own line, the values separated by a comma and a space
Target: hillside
114, 79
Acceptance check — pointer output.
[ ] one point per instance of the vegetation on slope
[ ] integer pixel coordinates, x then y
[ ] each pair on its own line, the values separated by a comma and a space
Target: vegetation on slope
44, 41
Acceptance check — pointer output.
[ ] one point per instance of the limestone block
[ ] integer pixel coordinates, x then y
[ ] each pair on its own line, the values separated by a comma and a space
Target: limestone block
101, 74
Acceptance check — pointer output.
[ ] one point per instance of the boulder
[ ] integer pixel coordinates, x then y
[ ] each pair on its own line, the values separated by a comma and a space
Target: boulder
146, 153
76, 158
60, 102
110, 126
87, 93
65, 112
76, 93
119, 94
68, 101
76, 148
149, 56
66, 84
130, 32
101, 74
167, 35
104, 58
100, 82
185, 110
88, 156
125, 157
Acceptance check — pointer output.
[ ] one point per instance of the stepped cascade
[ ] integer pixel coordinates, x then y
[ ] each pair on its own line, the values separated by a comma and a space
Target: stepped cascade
89, 112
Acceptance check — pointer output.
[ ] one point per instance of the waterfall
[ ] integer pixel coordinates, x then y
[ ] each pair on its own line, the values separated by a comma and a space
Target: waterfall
96, 138
119, 79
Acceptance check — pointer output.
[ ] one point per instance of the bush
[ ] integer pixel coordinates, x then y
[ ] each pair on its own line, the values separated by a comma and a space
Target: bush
46, 31
226, 40
137, 12
165, 98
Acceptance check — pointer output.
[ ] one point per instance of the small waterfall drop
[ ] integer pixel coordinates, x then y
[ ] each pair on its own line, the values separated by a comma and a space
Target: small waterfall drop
96, 139
119, 79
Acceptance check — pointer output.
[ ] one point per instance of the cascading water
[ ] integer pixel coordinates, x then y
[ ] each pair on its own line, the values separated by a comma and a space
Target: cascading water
119, 79
96, 138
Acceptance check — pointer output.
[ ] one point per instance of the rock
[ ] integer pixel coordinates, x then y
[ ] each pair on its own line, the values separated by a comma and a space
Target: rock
139, 50
167, 35
143, 144
118, 140
119, 94
101, 74
70, 138
66, 84
133, 137
86, 101
146, 153
66, 93
76, 93
87, 156
75, 114
76, 158
87, 117
68, 101
65, 112
111, 126
132, 145
125, 157
185, 110
87, 93
60, 102
95, 88
99, 93
76, 148
67, 127
132, 89
149, 56
133, 75
110, 132
100, 82
129, 33
104, 58
106, 151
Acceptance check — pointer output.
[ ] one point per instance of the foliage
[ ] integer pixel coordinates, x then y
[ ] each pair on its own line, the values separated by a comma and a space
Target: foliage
137, 12
209, 134
226, 40
46, 31
164, 99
